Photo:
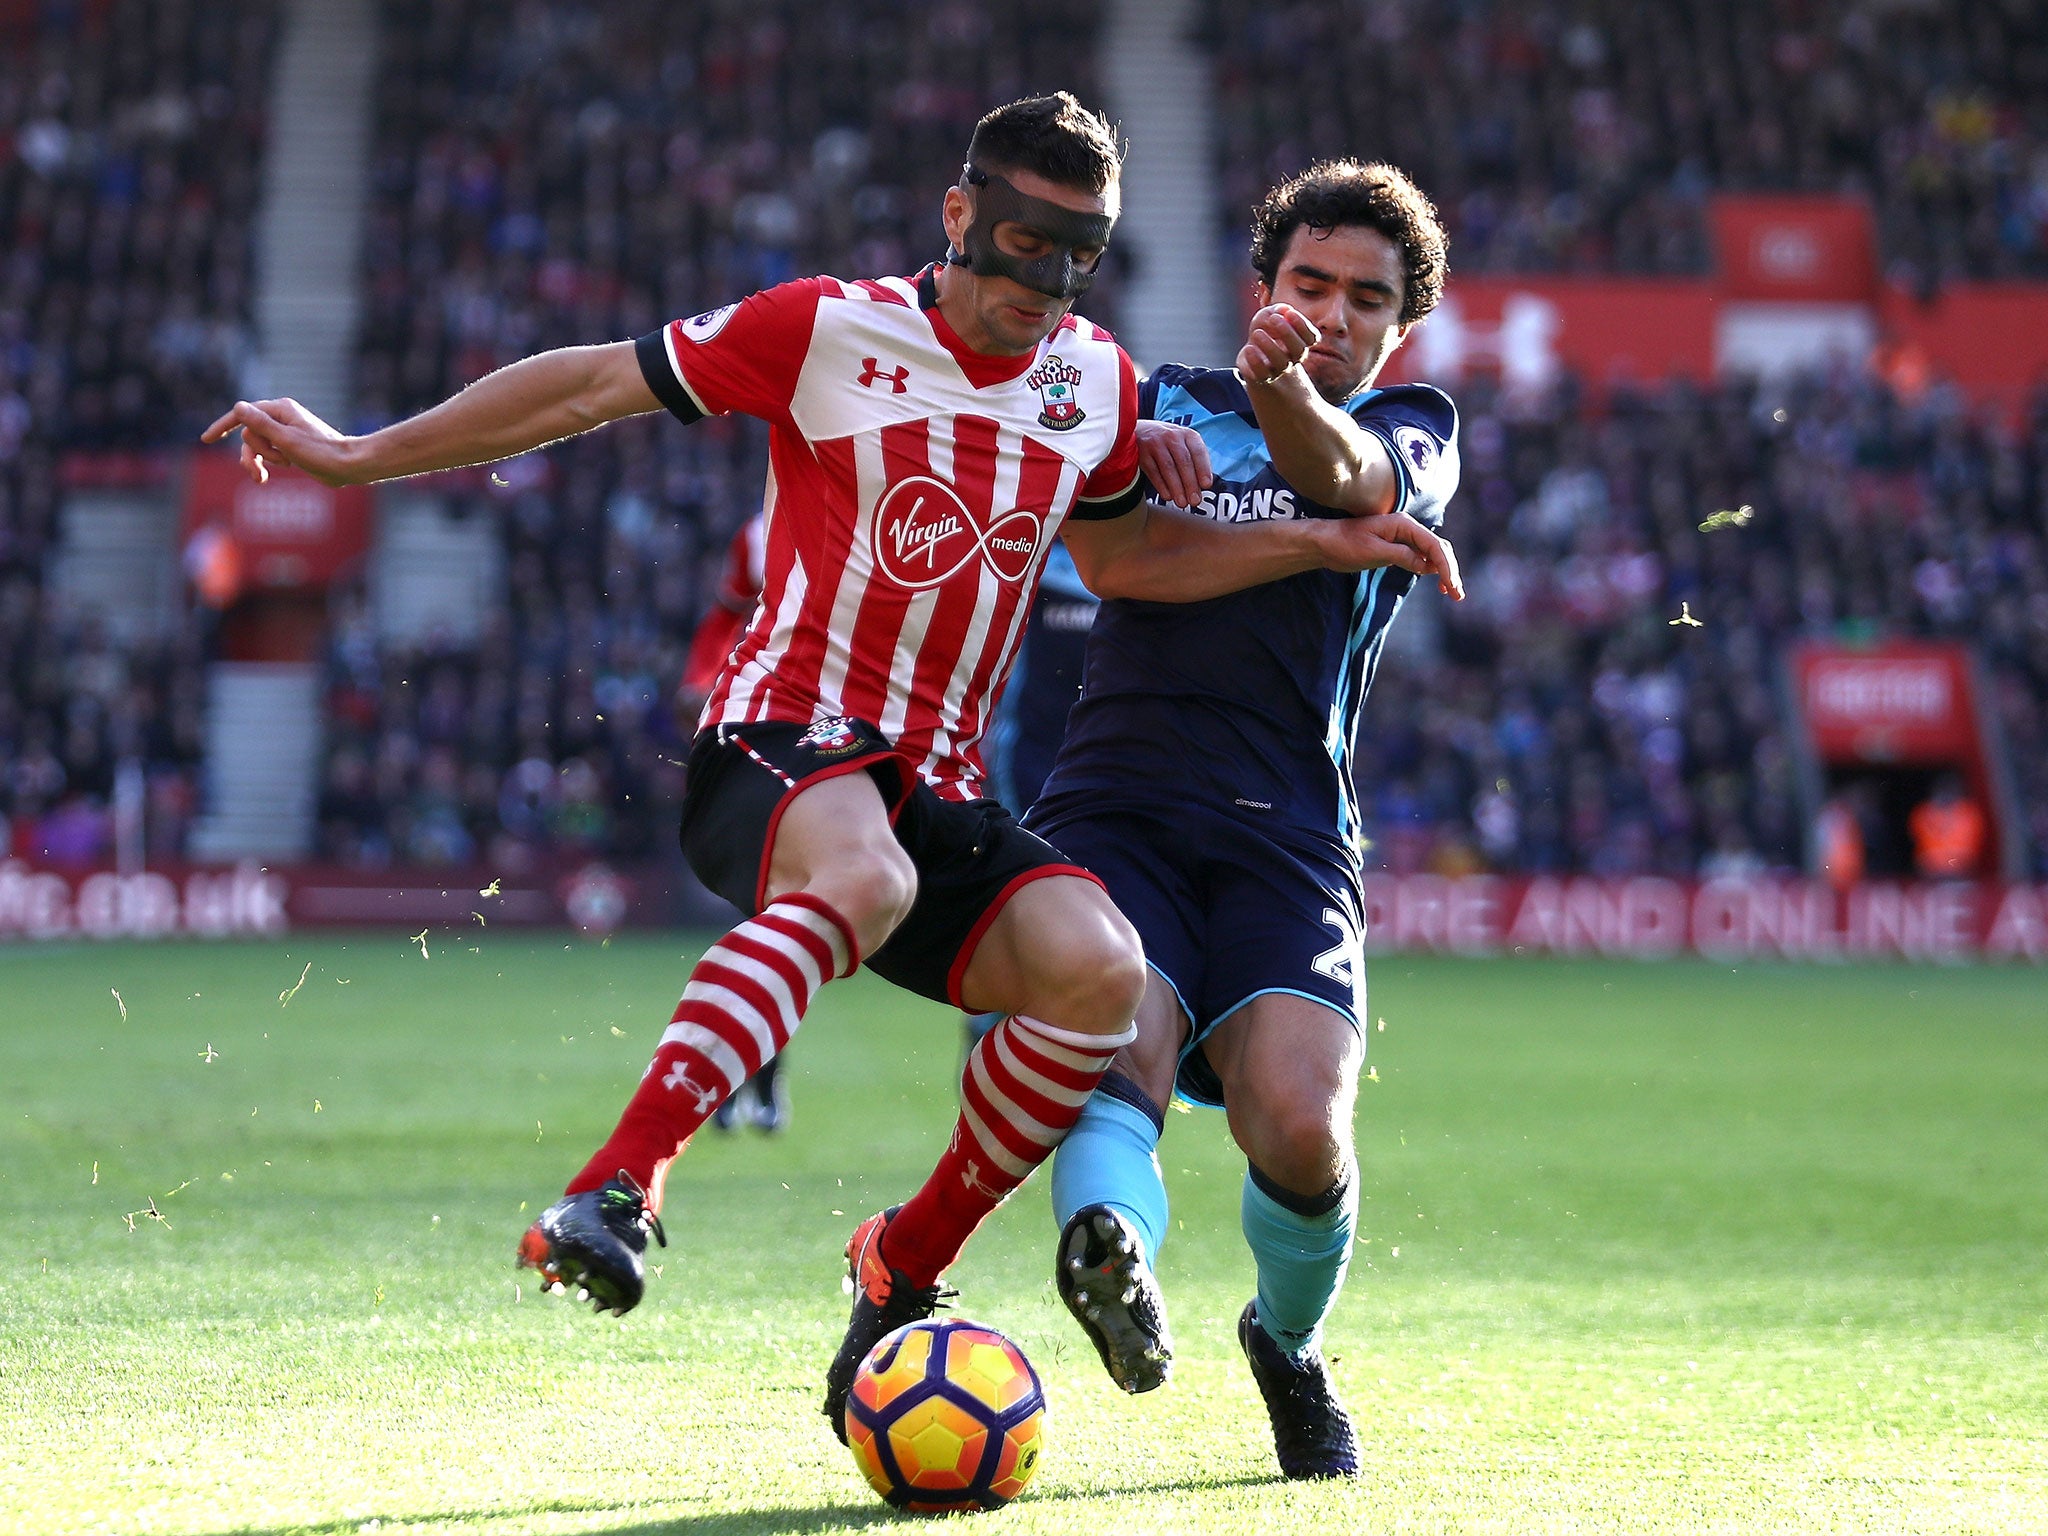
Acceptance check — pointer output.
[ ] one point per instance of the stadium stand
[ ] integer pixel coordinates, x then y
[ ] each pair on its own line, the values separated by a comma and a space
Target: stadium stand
1586, 138
548, 173
587, 173
1565, 723
130, 138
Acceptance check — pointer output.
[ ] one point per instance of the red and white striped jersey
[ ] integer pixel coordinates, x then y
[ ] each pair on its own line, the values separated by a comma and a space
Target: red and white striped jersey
915, 488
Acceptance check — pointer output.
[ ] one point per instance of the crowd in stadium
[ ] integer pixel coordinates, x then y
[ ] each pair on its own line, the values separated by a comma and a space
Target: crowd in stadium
554, 173
1570, 723
1558, 720
535, 186
1586, 138
573, 172
131, 136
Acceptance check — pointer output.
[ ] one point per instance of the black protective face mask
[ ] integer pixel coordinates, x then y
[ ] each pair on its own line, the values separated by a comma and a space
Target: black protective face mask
1056, 274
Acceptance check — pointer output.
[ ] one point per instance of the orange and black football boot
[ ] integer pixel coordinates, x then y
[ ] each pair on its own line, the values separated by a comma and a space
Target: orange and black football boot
883, 1301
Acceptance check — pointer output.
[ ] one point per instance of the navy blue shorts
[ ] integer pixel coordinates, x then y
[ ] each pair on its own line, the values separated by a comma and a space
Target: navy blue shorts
1226, 914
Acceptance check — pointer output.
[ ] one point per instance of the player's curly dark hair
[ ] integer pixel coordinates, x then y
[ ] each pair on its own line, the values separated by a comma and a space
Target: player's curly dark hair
1051, 136
1331, 193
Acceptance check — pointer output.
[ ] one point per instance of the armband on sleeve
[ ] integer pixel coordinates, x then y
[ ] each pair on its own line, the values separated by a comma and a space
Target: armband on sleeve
652, 350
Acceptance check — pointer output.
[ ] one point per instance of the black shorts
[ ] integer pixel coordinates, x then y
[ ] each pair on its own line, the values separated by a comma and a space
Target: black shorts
971, 857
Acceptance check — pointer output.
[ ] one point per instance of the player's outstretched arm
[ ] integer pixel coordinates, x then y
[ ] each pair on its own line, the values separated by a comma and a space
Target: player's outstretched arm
1159, 555
526, 405
1317, 449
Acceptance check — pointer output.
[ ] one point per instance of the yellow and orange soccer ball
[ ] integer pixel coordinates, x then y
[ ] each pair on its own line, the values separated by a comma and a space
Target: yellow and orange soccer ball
946, 1415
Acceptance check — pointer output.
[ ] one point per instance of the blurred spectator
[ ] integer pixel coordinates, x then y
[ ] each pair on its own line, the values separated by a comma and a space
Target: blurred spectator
1948, 833
1586, 137
1838, 838
740, 578
130, 138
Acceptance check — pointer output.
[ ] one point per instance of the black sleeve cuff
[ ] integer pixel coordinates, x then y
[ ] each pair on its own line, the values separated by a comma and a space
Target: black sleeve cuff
652, 350
1110, 506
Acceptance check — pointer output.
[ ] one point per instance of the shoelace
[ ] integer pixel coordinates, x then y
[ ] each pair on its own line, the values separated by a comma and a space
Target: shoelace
909, 1306
645, 1215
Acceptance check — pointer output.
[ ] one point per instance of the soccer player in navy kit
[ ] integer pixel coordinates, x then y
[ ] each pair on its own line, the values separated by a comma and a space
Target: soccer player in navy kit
1206, 779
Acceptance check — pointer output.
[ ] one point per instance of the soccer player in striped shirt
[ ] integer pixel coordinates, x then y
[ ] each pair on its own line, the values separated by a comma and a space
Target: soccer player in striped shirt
930, 437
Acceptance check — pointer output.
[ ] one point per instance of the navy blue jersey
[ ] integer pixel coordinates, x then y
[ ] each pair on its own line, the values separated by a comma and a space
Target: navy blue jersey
1250, 702
1043, 685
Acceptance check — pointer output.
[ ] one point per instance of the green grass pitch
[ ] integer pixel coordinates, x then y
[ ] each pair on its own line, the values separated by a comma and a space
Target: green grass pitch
1645, 1249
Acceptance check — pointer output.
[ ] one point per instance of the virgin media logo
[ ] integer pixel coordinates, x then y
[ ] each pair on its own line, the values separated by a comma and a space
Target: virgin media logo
924, 533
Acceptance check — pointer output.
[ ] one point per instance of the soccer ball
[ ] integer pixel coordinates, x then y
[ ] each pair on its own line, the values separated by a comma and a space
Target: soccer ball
946, 1415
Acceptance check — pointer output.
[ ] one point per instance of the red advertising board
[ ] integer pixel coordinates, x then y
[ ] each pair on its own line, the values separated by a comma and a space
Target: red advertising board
251, 901
1798, 250
1894, 703
1990, 338
1611, 331
291, 533
1646, 918
1909, 705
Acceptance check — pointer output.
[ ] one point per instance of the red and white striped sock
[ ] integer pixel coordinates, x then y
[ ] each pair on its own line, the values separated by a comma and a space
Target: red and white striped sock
744, 1000
1022, 1091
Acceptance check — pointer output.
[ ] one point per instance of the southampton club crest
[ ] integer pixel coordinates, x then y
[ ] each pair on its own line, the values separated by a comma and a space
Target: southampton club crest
833, 736
1056, 380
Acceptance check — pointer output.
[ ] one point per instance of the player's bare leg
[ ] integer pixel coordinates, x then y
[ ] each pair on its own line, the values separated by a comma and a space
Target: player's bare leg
1289, 1069
1111, 1201
834, 842
1067, 973
1060, 950
838, 886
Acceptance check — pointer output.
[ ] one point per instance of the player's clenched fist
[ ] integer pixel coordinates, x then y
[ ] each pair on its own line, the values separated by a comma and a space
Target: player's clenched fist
1280, 338
285, 432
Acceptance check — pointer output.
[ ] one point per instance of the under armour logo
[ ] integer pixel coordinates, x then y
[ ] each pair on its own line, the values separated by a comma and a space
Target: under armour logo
872, 372
972, 1179
706, 1099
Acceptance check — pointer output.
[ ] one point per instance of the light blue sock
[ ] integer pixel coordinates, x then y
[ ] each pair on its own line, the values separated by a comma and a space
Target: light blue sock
1108, 1159
979, 1024
1301, 1258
